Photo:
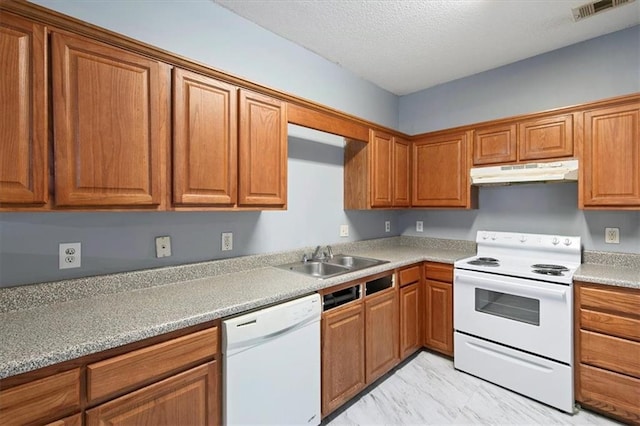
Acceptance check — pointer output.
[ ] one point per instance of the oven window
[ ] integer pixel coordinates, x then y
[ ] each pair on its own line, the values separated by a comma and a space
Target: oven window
509, 306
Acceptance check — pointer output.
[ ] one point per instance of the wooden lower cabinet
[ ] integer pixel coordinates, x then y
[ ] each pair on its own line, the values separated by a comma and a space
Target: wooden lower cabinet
382, 333
43, 400
410, 295
187, 398
439, 308
168, 380
607, 356
343, 348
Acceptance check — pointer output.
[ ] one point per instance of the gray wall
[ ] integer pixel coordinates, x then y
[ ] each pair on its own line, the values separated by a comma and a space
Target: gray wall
596, 69
203, 31
113, 242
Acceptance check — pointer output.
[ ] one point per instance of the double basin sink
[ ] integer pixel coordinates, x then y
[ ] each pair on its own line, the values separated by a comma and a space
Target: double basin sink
330, 267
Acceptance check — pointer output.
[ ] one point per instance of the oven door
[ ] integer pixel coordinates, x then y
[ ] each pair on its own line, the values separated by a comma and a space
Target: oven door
526, 314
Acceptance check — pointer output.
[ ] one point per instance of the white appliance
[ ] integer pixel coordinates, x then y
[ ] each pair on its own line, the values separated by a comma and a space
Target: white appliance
513, 314
557, 171
271, 365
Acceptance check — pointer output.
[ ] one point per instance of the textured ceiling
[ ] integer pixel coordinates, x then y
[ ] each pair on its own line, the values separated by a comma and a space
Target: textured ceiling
405, 46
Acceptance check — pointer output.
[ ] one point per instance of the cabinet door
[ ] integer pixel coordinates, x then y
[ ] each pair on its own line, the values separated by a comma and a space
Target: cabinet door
441, 172
204, 140
188, 398
23, 122
495, 145
381, 170
111, 125
543, 138
439, 316
382, 334
611, 157
343, 374
263, 151
401, 173
410, 324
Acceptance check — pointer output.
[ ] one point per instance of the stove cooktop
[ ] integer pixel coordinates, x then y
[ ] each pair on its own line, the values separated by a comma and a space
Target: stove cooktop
550, 258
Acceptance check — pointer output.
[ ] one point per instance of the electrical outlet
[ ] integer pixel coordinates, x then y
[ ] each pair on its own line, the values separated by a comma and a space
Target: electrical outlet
419, 226
387, 226
344, 230
612, 235
69, 255
163, 246
226, 241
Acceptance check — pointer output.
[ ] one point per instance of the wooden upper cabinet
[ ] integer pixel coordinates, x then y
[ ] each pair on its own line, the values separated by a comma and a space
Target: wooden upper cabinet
494, 145
111, 125
611, 157
539, 138
547, 137
204, 140
23, 122
381, 169
262, 151
441, 172
401, 173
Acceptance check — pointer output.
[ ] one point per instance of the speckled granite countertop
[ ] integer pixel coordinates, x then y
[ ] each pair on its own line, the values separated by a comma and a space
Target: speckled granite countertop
618, 269
57, 330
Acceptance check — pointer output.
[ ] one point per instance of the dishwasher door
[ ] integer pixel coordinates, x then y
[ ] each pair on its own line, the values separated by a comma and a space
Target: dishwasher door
271, 365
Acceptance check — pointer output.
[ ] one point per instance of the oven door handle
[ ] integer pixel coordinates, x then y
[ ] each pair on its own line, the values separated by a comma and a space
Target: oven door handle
528, 290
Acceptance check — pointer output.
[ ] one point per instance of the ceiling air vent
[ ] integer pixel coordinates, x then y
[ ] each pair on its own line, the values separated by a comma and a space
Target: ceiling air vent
595, 7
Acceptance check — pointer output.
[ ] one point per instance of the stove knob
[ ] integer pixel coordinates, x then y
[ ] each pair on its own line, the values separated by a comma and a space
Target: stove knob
555, 241
523, 238
493, 237
567, 242
485, 236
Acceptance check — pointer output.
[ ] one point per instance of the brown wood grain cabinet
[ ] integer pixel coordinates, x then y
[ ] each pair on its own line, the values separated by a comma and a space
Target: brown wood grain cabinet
496, 144
410, 293
343, 355
545, 138
24, 163
205, 140
439, 307
382, 333
187, 398
377, 173
111, 125
610, 166
441, 172
173, 379
607, 354
536, 138
262, 151
39, 401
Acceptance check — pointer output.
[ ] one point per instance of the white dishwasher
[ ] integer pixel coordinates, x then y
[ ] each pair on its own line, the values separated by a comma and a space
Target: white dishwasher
271, 365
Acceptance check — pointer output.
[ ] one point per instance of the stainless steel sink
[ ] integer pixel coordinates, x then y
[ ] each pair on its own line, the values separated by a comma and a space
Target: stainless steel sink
354, 262
331, 267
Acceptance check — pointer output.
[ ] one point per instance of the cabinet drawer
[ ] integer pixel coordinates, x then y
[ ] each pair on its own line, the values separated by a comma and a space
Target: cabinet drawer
41, 400
612, 353
409, 275
621, 300
610, 392
625, 327
143, 366
439, 272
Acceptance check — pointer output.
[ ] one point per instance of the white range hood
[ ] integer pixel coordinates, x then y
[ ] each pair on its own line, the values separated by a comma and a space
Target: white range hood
558, 171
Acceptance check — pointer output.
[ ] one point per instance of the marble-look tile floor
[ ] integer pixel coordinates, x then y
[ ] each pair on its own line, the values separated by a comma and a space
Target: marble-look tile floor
428, 391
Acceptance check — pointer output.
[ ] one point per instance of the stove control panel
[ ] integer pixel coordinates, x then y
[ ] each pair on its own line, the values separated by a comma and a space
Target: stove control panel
532, 241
